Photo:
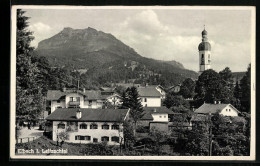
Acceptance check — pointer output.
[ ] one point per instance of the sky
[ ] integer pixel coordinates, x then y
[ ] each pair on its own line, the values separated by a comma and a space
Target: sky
162, 34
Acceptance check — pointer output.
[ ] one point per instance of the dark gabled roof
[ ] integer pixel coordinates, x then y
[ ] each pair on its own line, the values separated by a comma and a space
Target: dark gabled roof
89, 94
88, 115
148, 111
148, 92
212, 108
55, 94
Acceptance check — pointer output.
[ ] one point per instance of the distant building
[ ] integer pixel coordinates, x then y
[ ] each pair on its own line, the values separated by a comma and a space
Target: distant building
217, 108
157, 117
69, 98
89, 125
204, 53
150, 96
175, 88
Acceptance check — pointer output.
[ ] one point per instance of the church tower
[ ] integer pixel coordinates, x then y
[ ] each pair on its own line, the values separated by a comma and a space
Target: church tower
204, 52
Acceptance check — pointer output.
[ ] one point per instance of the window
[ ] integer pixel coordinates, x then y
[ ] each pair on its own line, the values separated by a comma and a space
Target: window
78, 99
160, 116
58, 101
95, 140
145, 99
61, 126
81, 137
93, 126
90, 102
229, 110
202, 56
105, 138
105, 126
77, 137
115, 127
83, 126
71, 98
164, 116
115, 139
226, 110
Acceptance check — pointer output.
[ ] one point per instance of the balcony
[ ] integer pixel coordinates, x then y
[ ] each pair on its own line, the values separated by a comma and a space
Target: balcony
74, 103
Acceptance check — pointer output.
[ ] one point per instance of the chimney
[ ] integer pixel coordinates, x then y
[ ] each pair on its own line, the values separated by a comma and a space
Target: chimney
78, 114
219, 102
64, 89
215, 102
84, 90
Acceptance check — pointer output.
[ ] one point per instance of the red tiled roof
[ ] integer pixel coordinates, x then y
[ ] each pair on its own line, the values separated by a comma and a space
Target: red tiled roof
88, 115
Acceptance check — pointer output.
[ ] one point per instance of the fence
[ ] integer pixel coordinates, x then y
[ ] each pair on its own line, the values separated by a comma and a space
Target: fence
25, 139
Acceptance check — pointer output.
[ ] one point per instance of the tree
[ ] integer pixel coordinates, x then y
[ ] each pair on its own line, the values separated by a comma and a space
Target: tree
131, 100
210, 87
173, 100
246, 90
226, 76
29, 100
128, 131
159, 137
187, 88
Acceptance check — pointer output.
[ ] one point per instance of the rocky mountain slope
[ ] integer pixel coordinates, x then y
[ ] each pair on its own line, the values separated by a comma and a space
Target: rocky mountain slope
89, 49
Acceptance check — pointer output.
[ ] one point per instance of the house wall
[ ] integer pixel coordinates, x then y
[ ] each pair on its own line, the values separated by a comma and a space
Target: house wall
151, 101
161, 91
83, 104
160, 117
229, 111
117, 100
93, 133
55, 104
95, 104
74, 95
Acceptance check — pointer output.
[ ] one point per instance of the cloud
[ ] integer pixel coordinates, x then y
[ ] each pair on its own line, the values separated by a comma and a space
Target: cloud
40, 31
152, 38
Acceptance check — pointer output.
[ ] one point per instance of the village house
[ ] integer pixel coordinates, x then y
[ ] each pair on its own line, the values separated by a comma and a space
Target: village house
217, 108
71, 98
150, 96
84, 125
158, 117
175, 88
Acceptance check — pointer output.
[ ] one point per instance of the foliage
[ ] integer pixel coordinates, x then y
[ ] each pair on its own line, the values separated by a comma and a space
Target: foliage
128, 130
159, 137
211, 87
173, 100
29, 99
246, 90
131, 100
187, 88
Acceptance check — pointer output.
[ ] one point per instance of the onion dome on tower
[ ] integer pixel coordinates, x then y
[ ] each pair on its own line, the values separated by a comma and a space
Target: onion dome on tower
204, 45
